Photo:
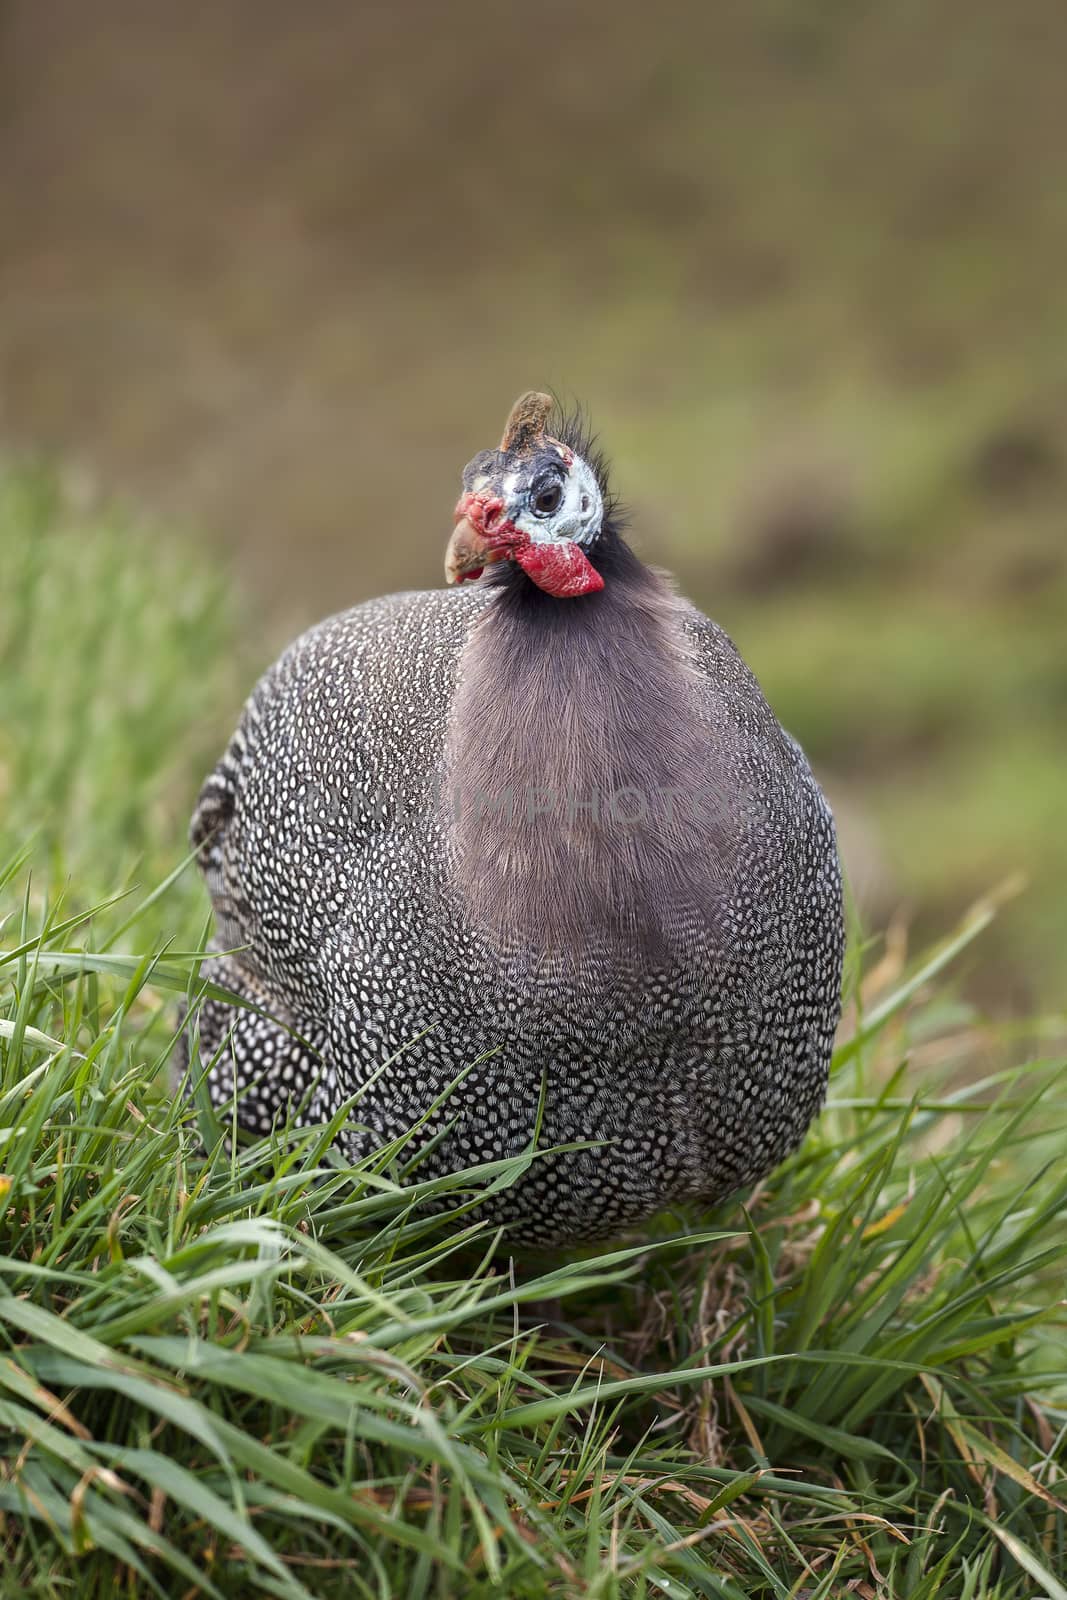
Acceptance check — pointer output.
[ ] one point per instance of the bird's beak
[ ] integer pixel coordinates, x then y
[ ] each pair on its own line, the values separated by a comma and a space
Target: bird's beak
469, 550
467, 553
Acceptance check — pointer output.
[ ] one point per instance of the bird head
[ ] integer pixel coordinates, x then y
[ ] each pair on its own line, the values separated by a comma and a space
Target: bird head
534, 501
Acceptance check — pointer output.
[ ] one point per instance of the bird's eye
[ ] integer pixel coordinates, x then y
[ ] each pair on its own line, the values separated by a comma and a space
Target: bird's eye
547, 499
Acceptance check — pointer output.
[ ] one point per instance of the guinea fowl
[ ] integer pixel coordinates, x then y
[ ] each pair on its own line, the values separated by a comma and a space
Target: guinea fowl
527, 863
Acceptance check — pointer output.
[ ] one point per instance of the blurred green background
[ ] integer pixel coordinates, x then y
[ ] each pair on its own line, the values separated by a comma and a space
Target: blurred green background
274, 273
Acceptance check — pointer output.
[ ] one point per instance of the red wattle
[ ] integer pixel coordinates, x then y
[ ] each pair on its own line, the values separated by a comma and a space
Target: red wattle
562, 570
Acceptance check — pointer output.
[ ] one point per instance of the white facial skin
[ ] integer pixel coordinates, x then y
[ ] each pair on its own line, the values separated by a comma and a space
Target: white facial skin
577, 516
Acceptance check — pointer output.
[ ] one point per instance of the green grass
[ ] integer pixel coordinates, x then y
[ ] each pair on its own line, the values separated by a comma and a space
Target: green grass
240, 1371
119, 674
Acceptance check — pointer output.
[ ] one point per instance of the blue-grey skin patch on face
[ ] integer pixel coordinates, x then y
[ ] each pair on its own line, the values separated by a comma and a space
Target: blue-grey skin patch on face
550, 495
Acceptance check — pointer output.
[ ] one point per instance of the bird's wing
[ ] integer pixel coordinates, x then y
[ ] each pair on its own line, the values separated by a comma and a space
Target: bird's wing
208, 829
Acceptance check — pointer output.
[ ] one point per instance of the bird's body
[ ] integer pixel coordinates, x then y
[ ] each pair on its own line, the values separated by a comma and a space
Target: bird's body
557, 849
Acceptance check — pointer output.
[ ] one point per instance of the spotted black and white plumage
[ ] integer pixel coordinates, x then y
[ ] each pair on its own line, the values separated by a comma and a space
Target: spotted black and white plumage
686, 1063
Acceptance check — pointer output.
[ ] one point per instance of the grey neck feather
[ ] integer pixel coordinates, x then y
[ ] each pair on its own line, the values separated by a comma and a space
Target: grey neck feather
585, 814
